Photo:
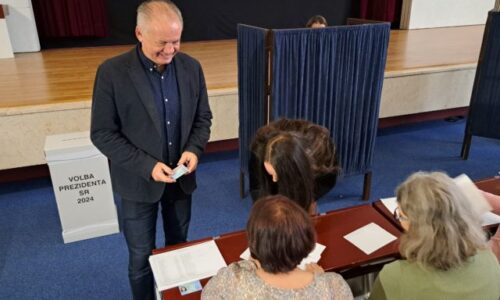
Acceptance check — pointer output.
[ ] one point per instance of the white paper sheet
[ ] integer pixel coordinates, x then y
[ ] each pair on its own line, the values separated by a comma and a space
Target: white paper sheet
475, 197
370, 238
173, 268
390, 203
313, 257
490, 218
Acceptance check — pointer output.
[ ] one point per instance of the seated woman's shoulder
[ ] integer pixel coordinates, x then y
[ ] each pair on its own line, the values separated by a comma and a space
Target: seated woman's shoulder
340, 288
227, 280
238, 269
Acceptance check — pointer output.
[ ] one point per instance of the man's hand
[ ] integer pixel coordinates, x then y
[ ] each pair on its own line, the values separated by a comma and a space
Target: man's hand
161, 173
314, 268
190, 160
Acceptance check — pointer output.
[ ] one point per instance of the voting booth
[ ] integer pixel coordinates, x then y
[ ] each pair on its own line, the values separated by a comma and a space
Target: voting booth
82, 186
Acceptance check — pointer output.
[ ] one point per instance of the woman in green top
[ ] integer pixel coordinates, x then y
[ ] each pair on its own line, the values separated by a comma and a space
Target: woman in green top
444, 245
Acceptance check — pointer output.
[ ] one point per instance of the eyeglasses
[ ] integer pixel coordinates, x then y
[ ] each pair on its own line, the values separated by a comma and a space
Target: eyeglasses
398, 216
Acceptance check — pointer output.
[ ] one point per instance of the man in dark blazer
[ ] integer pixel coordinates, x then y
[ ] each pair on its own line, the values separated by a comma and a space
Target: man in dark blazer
150, 113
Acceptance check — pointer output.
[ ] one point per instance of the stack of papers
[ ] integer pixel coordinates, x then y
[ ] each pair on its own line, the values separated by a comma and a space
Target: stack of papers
313, 257
173, 268
370, 238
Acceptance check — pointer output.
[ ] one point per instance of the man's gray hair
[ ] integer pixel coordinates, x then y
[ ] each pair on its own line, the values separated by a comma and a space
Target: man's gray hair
147, 8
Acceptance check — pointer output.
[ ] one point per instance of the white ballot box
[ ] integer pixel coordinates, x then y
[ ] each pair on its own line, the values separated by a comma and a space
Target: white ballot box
82, 186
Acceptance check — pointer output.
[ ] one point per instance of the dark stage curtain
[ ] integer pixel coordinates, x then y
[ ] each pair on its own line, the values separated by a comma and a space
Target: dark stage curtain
70, 18
484, 114
333, 77
217, 19
203, 20
251, 86
381, 10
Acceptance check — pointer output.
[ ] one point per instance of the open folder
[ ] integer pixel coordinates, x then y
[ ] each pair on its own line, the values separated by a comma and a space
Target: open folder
176, 267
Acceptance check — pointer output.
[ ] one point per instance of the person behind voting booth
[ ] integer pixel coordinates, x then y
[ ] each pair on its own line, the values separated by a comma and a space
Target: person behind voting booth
150, 114
444, 246
280, 234
317, 21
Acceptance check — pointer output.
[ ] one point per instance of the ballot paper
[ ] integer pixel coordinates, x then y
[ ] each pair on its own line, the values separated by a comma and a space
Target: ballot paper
313, 257
176, 267
472, 193
370, 238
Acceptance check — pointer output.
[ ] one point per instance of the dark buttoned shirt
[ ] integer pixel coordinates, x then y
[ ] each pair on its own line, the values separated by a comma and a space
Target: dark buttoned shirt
167, 100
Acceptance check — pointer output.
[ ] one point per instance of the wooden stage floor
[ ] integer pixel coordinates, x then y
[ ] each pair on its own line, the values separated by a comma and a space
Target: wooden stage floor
66, 75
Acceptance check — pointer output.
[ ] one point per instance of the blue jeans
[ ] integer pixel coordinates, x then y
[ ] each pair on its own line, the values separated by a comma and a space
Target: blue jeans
139, 228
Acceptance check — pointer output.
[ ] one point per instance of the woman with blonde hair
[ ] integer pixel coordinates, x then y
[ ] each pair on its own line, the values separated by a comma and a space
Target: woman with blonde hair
444, 246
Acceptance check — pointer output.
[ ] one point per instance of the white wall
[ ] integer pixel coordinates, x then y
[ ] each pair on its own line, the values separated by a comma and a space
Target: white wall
21, 26
5, 46
444, 13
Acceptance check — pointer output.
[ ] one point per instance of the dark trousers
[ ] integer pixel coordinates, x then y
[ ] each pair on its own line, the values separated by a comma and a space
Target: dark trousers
139, 228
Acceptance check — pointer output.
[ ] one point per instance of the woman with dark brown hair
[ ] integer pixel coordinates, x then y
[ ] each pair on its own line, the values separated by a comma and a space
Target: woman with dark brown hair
280, 235
317, 145
317, 21
288, 165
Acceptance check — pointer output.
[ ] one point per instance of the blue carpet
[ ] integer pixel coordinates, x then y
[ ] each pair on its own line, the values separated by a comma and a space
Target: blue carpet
34, 262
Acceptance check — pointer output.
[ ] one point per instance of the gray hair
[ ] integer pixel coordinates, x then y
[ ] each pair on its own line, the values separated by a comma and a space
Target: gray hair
444, 230
148, 8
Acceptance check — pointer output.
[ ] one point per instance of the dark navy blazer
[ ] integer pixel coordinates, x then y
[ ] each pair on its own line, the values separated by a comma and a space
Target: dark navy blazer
125, 125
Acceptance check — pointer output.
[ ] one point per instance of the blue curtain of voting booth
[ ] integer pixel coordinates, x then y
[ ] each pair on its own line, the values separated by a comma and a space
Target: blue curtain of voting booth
333, 77
251, 86
484, 113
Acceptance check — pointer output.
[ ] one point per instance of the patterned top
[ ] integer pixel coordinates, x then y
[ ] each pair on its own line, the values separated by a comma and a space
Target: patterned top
240, 281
